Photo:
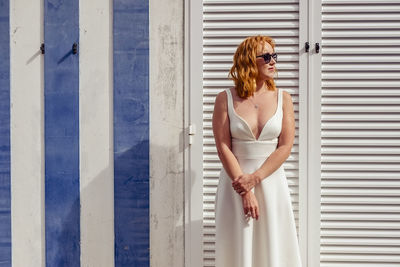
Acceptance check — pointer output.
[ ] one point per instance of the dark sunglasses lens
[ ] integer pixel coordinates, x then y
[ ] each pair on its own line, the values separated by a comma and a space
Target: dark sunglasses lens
267, 57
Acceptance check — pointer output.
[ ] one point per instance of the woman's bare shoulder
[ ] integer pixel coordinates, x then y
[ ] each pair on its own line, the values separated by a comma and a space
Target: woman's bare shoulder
221, 94
287, 99
221, 98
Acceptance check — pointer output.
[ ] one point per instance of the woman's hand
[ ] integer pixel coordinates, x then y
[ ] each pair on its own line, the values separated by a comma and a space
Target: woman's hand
244, 183
250, 205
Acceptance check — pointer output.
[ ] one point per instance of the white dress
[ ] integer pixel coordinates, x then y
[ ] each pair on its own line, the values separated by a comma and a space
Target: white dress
270, 241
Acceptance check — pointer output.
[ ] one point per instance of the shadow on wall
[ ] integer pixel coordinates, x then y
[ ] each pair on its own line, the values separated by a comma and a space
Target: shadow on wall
132, 209
132, 206
168, 202
131, 213
65, 256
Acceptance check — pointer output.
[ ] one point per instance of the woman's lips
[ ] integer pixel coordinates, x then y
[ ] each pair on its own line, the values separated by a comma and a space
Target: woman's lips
270, 68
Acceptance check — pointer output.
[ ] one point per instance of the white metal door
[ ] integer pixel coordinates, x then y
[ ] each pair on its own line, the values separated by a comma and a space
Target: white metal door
360, 122
225, 25
345, 160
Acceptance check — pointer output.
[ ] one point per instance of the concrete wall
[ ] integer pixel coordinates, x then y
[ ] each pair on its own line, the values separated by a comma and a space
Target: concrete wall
27, 133
96, 127
166, 133
166, 81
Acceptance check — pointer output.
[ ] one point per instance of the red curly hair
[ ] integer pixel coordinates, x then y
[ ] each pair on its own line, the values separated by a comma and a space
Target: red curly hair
244, 70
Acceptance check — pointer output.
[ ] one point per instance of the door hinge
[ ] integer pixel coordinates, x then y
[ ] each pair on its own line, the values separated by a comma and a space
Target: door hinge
192, 132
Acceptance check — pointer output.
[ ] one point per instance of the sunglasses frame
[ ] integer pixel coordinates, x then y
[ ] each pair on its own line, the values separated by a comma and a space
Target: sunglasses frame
267, 57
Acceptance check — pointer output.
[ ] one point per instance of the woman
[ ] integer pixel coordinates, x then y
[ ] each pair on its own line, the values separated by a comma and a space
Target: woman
254, 128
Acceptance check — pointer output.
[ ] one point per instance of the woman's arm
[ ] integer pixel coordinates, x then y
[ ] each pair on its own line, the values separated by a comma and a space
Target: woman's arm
285, 141
222, 136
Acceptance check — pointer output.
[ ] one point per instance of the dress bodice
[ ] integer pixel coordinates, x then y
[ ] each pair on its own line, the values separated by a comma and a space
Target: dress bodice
244, 143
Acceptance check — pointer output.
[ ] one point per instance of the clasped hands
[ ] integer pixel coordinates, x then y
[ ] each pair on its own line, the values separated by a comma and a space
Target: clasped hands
244, 183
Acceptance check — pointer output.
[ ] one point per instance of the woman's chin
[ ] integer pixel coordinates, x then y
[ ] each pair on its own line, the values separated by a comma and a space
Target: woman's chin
269, 77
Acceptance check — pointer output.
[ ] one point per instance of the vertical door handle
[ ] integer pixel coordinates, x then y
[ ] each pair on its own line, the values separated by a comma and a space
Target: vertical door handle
74, 48
317, 47
192, 132
307, 46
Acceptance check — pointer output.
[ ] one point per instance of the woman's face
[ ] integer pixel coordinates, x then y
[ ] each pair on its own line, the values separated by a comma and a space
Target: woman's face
266, 71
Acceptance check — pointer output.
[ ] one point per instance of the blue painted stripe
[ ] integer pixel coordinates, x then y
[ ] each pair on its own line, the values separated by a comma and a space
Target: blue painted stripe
5, 179
61, 92
131, 132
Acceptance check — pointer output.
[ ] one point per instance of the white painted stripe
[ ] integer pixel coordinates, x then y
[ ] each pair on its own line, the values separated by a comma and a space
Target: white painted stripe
96, 139
27, 133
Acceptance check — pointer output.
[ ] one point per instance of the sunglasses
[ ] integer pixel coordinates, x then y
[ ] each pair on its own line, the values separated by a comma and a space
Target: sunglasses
267, 57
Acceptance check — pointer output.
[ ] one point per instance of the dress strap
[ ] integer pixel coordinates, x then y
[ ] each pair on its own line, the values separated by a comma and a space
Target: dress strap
279, 99
230, 101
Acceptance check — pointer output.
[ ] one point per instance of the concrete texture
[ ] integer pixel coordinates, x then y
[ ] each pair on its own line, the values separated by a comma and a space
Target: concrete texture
27, 133
166, 133
61, 133
131, 132
5, 168
96, 132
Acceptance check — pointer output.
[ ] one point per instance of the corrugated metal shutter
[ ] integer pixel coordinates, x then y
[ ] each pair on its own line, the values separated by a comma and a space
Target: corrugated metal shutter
226, 24
360, 131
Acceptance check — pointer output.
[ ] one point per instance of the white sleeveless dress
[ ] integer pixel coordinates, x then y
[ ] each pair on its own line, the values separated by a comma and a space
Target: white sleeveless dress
270, 241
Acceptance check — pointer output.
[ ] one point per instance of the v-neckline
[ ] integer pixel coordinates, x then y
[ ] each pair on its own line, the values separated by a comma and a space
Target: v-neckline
245, 122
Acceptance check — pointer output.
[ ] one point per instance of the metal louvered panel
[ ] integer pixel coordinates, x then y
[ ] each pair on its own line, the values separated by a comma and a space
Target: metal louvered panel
360, 133
225, 24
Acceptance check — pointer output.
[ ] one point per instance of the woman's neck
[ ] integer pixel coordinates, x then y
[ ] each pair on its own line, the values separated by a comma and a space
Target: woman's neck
261, 87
